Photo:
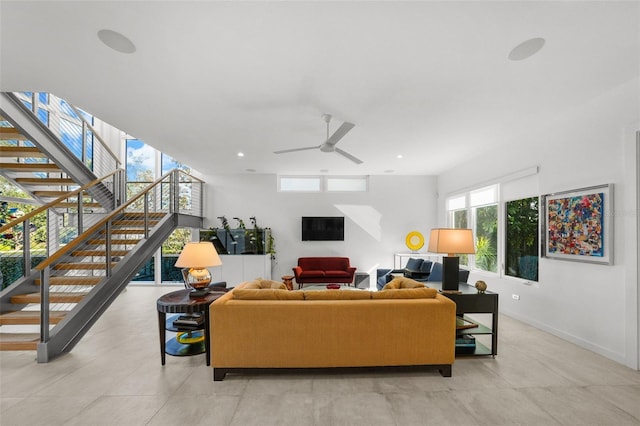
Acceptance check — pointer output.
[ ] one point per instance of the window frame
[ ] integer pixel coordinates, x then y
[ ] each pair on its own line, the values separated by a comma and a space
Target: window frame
455, 200
323, 183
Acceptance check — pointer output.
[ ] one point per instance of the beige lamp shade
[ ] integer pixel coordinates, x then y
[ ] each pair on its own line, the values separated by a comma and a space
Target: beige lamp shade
198, 255
451, 241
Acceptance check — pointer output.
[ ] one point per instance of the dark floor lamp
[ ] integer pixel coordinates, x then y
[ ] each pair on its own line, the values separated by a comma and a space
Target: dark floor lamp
452, 242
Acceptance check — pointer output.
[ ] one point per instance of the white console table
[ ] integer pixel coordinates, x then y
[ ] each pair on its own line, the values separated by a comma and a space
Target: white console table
400, 259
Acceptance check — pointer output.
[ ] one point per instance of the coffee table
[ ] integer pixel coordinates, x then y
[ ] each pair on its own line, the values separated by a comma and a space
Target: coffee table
324, 287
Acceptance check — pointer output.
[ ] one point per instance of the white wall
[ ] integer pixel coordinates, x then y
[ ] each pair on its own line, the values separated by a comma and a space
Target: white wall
595, 306
376, 222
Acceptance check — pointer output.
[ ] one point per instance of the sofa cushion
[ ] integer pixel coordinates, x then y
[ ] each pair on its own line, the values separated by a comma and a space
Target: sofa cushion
311, 273
337, 274
323, 263
260, 284
273, 284
336, 295
426, 266
406, 293
402, 282
266, 294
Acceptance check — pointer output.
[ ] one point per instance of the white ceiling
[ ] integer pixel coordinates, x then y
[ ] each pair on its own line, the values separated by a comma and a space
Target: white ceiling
428, 80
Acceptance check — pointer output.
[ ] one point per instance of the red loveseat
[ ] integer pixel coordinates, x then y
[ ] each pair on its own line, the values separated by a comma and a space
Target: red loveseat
323, 270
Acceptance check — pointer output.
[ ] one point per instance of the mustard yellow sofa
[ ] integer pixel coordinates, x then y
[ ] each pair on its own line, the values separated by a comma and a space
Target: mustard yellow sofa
253, 327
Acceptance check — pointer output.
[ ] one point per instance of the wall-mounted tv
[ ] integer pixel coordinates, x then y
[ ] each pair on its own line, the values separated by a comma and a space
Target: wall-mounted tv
322, 228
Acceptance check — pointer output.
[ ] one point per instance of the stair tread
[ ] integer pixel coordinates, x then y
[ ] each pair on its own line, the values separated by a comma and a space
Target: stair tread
81, 253
44, 181
134, 222
21, 151
72, 205
31, 167
125, 231
128, 215
52, 193
30, 317
19, 341
73, 280
54, 297
11, 133
114, 242
82, 265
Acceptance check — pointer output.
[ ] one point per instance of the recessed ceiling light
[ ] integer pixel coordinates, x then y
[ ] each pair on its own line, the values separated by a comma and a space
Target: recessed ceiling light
399, 156
526, 49
323, 170
389, 171
116, 41
240, 154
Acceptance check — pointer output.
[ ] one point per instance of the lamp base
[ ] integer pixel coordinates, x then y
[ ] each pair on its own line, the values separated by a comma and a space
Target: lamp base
450, 272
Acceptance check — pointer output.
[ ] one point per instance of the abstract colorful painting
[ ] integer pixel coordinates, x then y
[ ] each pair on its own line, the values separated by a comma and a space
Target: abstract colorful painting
578, 226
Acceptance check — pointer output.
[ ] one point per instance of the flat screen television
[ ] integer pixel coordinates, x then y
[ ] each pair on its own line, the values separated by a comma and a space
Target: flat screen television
322, 228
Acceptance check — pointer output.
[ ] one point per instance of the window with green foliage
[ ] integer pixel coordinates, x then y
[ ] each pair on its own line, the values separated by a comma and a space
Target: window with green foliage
486, 230
144, 165
478, 210
458, 218
521, 238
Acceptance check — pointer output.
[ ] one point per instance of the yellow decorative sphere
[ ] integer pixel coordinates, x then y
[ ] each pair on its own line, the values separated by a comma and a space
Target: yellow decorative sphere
481, 286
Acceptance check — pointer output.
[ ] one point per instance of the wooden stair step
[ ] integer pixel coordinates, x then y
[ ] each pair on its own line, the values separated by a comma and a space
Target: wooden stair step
99, 253
73, 280
54, 194
21, 151
114, 242
68, 205
19, 341
54, 297
125, 231
131, 215
82, 265
45, 181
11, 133
134, 222
31, 167
30, 317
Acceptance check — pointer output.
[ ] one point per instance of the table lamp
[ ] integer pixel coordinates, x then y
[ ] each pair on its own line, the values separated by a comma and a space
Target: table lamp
198, 256
452, 242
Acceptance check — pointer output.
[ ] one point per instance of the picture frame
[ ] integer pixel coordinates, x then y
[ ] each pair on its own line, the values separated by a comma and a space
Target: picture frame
578, 225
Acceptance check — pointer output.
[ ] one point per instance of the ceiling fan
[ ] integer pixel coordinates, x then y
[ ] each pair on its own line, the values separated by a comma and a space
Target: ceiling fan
330, 144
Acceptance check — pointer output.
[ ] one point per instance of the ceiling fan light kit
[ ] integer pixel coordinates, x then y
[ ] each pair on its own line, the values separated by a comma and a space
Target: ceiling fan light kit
329, 145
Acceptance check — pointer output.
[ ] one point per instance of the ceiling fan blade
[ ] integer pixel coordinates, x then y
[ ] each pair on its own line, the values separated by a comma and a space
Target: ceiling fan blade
349, 156
295, 149
339, 134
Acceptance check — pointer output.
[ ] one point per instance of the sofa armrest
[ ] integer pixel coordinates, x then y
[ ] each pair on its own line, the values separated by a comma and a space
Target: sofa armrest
297, 271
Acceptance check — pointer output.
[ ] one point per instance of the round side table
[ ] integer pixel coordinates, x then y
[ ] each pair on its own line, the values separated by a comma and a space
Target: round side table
179, 302
288, 281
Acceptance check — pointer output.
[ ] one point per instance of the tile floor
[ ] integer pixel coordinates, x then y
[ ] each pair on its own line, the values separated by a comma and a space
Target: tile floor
114, 377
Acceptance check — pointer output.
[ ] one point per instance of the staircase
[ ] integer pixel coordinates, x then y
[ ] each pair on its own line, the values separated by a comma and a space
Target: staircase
73, 278
66, 293
95, 244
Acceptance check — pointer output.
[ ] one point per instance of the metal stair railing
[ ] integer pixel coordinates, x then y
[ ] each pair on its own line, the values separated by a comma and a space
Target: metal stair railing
66, 217
175, 193
72, 126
